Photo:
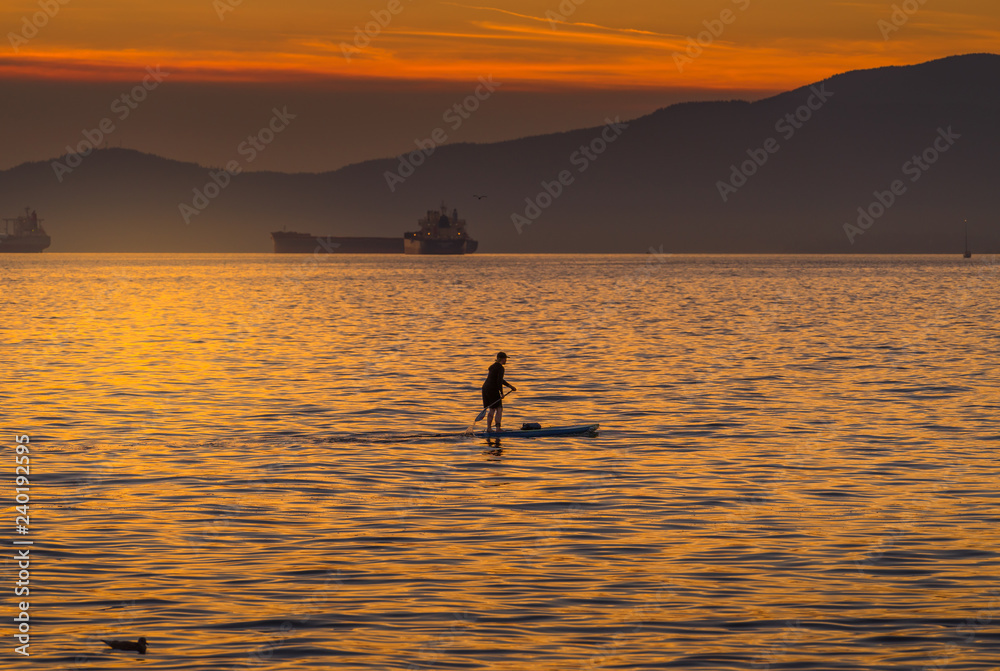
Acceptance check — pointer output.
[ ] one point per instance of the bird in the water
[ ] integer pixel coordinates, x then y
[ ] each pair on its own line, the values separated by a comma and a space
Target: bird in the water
135, 646
478, 197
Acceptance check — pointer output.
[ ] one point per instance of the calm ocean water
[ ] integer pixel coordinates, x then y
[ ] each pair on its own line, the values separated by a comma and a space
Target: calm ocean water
256, 462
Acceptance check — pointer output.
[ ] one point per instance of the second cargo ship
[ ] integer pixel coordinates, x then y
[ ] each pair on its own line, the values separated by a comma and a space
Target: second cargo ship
439, 234
288, 242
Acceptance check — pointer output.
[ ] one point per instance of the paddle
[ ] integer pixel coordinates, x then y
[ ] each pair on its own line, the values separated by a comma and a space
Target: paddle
483, 413
485, 410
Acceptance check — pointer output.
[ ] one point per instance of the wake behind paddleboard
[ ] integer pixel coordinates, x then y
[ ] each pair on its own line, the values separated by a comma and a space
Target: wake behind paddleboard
582, 430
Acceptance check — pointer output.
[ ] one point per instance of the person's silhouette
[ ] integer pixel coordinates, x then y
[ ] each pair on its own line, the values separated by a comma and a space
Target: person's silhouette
493, 391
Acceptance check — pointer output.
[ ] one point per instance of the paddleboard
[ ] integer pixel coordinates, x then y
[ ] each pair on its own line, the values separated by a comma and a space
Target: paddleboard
582, 430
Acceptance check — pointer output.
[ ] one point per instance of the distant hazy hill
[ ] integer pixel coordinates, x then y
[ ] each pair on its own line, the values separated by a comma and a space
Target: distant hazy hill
657, 183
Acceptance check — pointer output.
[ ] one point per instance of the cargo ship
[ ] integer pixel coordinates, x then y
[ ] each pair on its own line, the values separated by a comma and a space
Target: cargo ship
440, 234
288, 242
24, 233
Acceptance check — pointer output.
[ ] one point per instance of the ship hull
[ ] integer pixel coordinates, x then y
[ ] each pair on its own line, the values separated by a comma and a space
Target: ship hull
432, 246
24, 244
303, 243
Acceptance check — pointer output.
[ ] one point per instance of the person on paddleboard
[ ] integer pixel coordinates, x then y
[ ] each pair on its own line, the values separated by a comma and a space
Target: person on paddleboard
493, 391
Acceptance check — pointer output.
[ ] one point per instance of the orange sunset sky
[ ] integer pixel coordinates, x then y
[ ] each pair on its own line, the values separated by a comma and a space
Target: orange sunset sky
562, 65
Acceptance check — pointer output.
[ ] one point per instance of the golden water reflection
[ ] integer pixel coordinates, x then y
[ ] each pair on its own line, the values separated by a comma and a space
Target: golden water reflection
255, 462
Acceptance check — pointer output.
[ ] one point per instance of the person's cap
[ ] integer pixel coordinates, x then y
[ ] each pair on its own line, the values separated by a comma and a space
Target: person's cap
501, 355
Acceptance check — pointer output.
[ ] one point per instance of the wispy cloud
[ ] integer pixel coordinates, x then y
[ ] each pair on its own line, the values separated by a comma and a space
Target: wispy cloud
549, 21
459, 41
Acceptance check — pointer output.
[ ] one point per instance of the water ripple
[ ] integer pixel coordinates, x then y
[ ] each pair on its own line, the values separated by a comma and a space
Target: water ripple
259, 461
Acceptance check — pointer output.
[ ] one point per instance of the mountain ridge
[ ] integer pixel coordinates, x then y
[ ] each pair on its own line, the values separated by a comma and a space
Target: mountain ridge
656, 183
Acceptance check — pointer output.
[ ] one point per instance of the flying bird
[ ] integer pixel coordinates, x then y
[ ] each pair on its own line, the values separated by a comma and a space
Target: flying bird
137, 646
478, 197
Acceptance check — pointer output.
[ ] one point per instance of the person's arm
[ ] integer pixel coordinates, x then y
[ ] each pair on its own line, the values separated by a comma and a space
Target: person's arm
500, 374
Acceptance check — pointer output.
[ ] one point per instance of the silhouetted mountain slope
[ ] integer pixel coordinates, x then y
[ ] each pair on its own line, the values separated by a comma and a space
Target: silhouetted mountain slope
657, 183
